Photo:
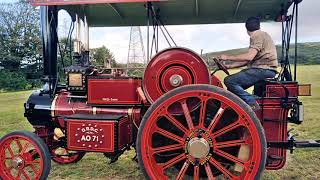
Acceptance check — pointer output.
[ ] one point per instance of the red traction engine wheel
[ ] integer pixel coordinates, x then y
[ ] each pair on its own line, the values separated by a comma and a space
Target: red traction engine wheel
23, 155
172, 68
60, 154
220, 138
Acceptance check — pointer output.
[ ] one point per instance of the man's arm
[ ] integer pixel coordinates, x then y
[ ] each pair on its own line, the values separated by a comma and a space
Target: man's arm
245, 57
236, 64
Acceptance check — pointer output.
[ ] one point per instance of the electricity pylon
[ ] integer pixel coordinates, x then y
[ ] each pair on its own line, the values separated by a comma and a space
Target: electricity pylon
136, 53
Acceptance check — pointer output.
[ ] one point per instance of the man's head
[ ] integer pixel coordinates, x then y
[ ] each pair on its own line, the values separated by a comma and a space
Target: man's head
252, 24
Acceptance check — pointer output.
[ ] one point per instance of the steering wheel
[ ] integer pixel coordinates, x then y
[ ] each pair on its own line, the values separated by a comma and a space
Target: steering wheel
221, 66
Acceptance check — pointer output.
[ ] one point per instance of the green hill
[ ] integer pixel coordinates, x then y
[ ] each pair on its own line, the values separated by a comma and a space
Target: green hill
308, 53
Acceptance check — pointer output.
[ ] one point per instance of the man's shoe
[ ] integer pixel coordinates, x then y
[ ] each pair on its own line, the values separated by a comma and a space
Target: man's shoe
255, 107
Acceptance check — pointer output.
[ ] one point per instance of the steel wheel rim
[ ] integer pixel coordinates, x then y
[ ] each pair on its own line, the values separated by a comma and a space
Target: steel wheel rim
28, 153
252, 140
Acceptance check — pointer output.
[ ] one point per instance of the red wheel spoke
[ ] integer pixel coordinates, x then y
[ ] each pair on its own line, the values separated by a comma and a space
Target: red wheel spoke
187, 114
217, 117
230, 143
11, 152
34, 169
25, 147
208, 171
167, 148
19, 173
32, 162
25, 174
183, 170
196, 172
34, 152
226, 129
203, 112
175, 122
230, 157
19, 144
10, 168
173, 161
170, 135
221, 168
36, 162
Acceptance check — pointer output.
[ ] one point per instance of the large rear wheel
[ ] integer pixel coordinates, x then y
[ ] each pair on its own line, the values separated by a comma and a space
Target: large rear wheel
23, 155
220, 138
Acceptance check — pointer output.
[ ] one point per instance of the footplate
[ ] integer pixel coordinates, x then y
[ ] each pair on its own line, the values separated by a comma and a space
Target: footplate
292, 144
307, 144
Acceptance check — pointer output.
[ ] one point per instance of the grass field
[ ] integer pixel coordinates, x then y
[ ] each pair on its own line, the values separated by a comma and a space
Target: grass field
303, 164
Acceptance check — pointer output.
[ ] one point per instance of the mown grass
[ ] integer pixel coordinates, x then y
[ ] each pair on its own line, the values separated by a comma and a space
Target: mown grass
303, 164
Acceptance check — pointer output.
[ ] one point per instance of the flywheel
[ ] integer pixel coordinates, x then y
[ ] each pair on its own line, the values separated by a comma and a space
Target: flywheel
172, 68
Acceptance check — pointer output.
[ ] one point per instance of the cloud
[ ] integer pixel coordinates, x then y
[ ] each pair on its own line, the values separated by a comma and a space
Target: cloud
116, 39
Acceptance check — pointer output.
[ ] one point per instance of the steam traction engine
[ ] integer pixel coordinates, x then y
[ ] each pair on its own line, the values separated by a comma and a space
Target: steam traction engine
178, 117
198, 130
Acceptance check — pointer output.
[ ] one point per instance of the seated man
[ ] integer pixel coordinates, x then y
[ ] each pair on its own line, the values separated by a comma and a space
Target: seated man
261, 62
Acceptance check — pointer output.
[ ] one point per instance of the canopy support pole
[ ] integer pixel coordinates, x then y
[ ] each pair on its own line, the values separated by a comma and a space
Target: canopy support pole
86, 52
287, 26
77, 42
49, 20
154, 16
296, 43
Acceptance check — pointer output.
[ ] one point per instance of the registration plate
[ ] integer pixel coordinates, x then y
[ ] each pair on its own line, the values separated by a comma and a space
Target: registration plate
89, 135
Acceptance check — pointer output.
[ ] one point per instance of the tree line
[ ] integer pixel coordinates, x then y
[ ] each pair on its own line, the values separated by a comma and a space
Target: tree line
21, 62
308, 53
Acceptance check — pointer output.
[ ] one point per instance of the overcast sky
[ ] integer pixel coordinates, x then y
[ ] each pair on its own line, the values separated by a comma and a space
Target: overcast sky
210, 37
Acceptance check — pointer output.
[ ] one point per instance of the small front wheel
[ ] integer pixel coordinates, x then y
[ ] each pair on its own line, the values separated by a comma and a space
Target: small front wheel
60, 154
23, 155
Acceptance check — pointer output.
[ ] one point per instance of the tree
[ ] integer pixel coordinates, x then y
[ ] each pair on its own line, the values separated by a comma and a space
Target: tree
20, 44
102, 56
65, 56
65, 51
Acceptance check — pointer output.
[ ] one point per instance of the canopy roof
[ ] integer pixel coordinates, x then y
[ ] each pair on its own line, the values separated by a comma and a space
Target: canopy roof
103, 13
